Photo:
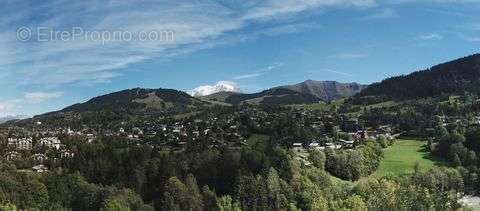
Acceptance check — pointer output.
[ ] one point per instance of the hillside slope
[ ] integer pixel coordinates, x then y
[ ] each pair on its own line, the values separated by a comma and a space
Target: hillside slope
117, 107
327, 90
136, 100
452, 77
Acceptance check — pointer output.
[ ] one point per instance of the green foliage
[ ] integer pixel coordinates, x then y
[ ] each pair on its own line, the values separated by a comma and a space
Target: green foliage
318, 158
351, 165
226, 203
180, 196
210, 199
114, 205
8, 207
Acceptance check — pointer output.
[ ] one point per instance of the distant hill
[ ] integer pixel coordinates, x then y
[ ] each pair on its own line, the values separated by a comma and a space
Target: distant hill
114, 108
327, 90
275, 96
219, 97
139, 99
452, 77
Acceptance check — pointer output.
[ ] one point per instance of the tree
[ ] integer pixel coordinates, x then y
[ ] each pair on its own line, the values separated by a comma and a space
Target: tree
33, 194
8, 207
210, 201
194, 197
277, 199
441, 132
114, 205
174, 197
226, 203
473, 139
352, 203
318, 158
320, 204
471, 158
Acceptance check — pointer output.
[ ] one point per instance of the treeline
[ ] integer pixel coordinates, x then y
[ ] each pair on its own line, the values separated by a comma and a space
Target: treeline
57, 191
461, 146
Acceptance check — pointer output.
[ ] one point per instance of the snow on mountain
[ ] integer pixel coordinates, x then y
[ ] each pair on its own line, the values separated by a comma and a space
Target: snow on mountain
221, 86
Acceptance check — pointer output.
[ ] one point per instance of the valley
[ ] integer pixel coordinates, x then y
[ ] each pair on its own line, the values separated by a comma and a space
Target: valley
232, 148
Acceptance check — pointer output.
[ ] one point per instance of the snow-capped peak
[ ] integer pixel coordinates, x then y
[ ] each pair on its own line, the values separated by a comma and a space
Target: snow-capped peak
221, 86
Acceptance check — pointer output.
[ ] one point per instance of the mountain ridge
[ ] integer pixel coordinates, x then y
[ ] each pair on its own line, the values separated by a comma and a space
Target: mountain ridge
306, 92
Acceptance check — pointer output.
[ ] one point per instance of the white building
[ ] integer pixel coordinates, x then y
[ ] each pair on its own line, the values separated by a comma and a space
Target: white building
20, 143
51, 142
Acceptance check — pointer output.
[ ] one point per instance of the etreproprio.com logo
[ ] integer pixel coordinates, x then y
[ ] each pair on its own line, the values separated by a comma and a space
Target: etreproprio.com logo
46, 34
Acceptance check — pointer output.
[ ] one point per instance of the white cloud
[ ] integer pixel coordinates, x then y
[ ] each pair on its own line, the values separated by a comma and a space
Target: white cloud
85, 61
473, 39
251, 75
38, 97
338, 72
259, 73
350, 56
8, 107
433, 36
14, 107
273, 8
221, 86
5, 106
196, 25
381, 14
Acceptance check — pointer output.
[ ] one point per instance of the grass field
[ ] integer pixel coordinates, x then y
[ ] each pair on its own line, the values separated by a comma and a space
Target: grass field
401, 157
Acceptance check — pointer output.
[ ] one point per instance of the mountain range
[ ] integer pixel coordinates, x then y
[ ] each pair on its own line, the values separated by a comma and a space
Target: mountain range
151, 102
454, 77
174, 101
302, 93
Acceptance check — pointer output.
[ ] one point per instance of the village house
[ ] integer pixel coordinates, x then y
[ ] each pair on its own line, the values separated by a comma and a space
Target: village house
332, 145
50, 142
39, 157
12, 156
298, 147
315, 146
23, 144
66, 154
90, 137
347, 144
39, 168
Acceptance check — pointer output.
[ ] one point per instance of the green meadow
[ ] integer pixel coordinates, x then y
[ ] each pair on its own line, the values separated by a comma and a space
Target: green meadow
400, 158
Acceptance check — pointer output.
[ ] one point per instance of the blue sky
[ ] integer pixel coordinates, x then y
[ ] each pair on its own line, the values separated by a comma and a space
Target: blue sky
254, 44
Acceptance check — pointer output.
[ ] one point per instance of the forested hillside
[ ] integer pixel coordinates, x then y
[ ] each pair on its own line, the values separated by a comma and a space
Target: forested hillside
449, 78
